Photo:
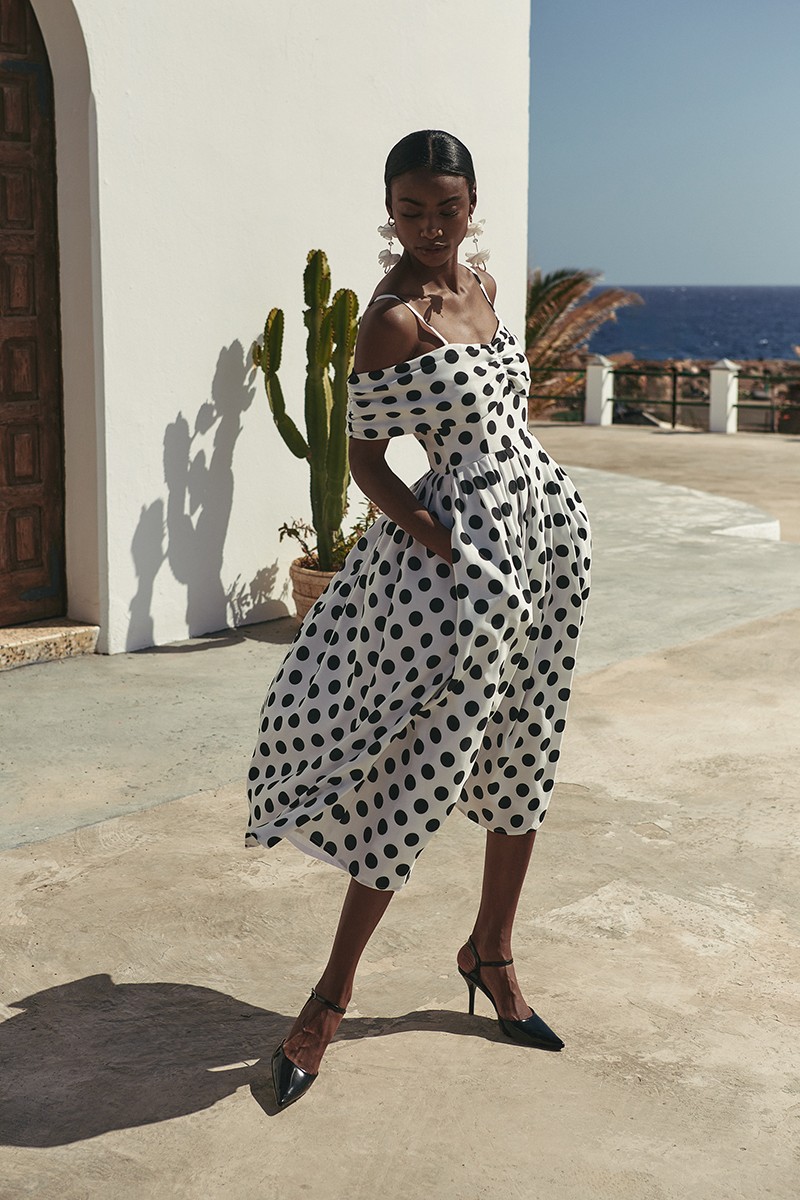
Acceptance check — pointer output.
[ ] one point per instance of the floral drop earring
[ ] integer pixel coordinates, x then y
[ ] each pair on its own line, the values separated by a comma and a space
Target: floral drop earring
386, 258
479, 256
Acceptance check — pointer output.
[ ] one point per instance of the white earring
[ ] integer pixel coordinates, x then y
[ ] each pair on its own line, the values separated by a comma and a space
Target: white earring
386, 258
479, 256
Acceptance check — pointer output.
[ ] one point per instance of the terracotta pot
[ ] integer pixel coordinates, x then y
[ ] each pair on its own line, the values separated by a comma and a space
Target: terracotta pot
307, 585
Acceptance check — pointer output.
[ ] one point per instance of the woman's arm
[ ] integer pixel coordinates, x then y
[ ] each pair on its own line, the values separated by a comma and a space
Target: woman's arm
389, 334
375, 477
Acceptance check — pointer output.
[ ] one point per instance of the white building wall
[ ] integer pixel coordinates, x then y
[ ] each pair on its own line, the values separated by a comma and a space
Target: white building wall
231, 139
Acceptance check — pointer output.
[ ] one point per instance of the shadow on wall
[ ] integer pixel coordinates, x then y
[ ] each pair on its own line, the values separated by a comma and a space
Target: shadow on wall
191, 536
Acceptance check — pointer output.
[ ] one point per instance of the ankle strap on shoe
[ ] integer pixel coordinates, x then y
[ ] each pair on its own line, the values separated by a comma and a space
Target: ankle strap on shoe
500, 962
328, 1003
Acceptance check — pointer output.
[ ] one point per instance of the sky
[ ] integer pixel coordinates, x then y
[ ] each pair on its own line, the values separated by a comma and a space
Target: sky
665, 140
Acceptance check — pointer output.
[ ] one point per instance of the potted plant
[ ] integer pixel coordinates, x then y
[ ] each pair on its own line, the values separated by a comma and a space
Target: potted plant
329, 351
308, 581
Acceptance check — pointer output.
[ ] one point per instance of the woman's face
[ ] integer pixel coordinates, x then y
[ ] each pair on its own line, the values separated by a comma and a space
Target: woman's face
431, 214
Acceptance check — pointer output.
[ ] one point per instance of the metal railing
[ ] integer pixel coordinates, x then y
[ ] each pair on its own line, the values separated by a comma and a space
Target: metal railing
781, 416
685, 396
674, 401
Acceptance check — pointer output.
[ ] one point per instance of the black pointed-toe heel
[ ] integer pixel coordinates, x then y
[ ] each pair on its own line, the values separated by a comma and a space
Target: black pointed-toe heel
290, 1081
532, 1031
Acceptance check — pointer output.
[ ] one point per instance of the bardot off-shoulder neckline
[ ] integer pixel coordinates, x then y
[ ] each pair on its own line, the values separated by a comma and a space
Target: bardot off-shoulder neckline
407, 362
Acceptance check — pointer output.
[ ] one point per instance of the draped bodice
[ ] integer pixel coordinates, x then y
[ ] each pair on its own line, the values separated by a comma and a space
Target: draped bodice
460, 401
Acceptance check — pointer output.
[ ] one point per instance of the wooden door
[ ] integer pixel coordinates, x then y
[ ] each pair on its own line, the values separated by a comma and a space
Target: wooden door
32, 583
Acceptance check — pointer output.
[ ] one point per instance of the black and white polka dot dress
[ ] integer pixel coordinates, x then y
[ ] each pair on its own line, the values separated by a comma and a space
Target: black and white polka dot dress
413, 687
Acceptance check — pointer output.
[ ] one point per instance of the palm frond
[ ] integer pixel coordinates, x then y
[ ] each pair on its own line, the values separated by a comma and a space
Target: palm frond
560, 322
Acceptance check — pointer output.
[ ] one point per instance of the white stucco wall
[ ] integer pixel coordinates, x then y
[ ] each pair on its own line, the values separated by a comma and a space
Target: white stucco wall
231, 139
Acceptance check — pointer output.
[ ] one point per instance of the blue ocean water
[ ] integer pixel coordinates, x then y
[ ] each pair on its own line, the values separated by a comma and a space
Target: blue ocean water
705, 322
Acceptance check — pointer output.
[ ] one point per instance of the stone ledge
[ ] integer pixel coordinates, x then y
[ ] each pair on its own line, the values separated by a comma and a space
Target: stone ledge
45, 641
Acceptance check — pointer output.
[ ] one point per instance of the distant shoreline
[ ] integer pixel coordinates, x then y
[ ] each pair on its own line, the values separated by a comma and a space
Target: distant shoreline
683, 287
753, 323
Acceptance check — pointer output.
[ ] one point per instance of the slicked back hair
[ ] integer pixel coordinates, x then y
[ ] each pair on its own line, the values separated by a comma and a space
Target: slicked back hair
429, 149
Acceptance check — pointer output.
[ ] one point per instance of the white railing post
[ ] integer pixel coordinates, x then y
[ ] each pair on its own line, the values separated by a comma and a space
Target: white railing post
599, 408
723, 415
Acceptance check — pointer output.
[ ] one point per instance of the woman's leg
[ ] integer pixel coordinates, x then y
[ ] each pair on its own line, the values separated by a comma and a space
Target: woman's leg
504, 868
315, 1025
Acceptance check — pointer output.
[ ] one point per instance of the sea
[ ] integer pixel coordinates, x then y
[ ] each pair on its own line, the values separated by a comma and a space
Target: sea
705, 322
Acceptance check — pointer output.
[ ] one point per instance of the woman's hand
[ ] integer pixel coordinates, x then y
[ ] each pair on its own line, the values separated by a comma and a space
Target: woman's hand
377, 480
443, 545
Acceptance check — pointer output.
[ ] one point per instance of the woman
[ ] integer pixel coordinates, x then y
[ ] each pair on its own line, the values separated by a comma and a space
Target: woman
435, 670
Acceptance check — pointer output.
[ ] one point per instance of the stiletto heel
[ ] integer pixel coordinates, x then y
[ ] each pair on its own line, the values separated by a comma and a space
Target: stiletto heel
290, 1081
532, 1031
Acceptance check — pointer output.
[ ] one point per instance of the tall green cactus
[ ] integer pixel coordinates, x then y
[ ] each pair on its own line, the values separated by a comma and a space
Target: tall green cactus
329, 346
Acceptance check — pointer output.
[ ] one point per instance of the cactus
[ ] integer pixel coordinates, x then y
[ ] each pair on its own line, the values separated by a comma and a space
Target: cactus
329, 347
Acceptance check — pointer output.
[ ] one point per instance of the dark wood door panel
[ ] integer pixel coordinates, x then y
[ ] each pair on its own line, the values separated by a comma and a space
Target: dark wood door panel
15, 108
16, 198
19, 373
17, 285
21, 460
31, 444
14, 34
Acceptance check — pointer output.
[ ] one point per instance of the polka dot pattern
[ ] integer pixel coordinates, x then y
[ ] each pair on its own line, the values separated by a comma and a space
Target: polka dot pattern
413, 687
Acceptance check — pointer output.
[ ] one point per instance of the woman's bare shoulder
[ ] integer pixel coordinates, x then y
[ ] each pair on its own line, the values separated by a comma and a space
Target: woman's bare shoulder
387, 334
489, 283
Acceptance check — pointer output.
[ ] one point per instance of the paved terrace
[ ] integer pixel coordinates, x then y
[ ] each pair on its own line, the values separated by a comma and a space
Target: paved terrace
151, 963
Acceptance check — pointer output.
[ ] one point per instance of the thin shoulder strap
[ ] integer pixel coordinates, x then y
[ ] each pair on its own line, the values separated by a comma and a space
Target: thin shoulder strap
419, 316
480, 283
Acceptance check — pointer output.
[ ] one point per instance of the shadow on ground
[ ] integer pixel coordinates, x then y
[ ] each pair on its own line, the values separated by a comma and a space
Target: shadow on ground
280, 632
90, 1056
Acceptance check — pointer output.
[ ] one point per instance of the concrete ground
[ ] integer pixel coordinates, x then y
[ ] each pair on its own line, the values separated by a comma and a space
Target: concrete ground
758, 468
151, 963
